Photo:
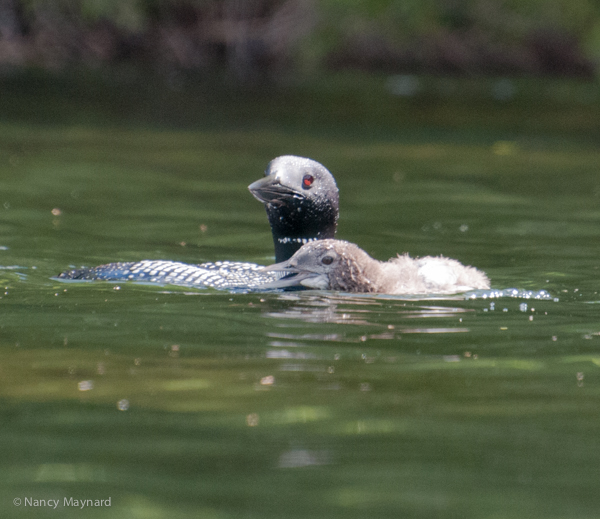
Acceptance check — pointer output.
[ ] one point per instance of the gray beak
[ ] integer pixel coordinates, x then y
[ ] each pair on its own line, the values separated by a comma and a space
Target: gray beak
284, 266
294, 279
269, 190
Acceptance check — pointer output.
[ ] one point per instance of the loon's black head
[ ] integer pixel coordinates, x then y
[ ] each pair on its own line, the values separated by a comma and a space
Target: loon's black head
302, 203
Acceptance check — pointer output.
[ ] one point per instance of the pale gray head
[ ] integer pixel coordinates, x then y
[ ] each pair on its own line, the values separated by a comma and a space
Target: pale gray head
328, 265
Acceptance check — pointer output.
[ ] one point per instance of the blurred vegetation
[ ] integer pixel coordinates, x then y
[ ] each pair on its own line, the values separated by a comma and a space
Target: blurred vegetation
271, 39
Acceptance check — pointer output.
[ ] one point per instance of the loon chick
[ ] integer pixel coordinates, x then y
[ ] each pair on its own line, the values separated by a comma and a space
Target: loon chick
343, 266
301, 199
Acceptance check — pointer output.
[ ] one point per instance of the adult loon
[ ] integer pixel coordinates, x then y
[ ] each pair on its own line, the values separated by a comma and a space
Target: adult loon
301, 200
340, 265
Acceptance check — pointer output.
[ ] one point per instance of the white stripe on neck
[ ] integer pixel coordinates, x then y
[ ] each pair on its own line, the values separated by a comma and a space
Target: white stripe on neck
295, 240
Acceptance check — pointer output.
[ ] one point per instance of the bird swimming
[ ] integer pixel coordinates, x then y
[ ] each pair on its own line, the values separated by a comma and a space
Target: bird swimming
302, 203
342, 266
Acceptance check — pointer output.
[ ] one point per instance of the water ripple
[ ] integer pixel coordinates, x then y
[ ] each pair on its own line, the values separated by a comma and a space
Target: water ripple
515, 293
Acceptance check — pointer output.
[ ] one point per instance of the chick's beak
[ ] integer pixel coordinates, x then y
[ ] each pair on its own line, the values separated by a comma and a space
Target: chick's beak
284, 266
293, 275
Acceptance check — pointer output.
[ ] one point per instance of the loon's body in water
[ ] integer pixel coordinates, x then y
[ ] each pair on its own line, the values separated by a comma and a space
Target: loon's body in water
301, 200
343, 266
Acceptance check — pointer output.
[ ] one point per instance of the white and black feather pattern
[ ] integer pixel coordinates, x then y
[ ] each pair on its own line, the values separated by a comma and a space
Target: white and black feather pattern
220, 274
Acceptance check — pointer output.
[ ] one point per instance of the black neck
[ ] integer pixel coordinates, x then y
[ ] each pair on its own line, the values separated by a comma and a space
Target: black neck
294, 226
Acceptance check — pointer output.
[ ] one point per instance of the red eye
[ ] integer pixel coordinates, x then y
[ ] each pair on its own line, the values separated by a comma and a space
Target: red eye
307, 181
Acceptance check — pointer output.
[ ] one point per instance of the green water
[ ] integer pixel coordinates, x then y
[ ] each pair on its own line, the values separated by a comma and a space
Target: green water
183, 403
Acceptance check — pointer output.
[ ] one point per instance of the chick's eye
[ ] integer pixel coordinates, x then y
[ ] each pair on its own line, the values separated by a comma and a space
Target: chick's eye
327, 260
307, 181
